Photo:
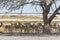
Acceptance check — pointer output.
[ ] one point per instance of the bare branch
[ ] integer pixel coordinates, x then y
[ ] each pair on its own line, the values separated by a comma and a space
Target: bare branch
22, 9
53, 15
43, 5
22, 4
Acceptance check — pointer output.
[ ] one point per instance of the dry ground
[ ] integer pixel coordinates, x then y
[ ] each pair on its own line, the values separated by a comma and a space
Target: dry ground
29, 37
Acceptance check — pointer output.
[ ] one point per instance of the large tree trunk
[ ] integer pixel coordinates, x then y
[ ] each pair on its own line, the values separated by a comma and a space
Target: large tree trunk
46, 26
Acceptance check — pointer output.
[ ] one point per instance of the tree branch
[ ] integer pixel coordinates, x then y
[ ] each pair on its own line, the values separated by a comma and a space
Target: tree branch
43, 4
22, 4
53, 15
48, 7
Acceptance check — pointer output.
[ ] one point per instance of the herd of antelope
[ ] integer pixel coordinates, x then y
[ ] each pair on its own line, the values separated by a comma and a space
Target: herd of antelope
28, 27
23, 27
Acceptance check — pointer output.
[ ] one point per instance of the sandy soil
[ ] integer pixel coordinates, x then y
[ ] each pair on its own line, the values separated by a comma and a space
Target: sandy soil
30, 37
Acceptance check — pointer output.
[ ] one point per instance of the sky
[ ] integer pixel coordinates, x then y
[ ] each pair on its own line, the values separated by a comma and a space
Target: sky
29, 9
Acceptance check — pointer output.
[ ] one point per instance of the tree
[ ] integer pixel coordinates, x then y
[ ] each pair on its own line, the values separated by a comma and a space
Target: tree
46, 5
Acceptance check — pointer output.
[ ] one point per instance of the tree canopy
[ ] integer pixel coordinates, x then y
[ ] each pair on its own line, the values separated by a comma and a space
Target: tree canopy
16, 4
